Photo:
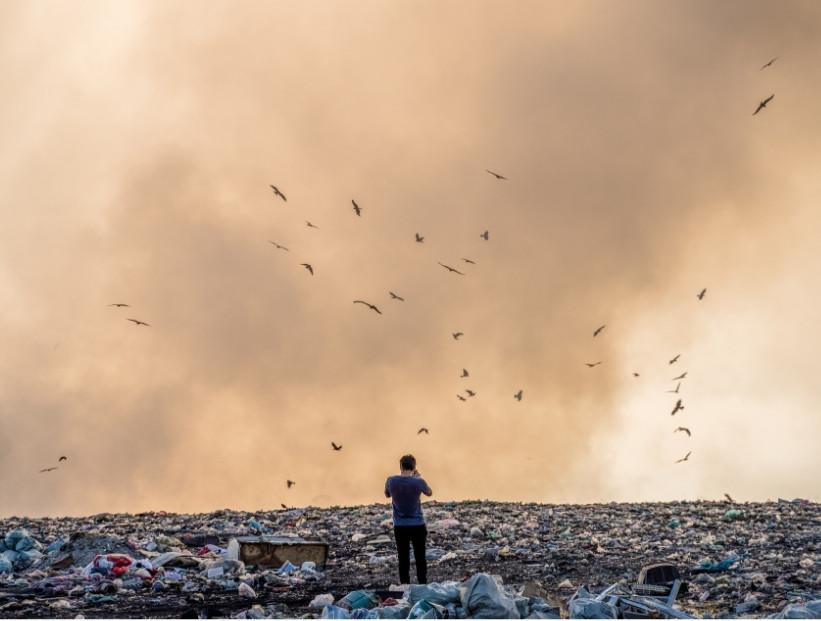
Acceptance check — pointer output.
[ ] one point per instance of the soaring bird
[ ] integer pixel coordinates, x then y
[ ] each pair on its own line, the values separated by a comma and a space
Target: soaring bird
290, 483
419, 238
368, 305
470, 393
767, 65
763, 104
464, 373
448, 267
396, 297
684, 458
308, 267
356, 208
277, 245
680, 377
677, 408
118, 305
518, 396
456, 335
461, 398
597, 330
676, 390
278, 193
592, 364
497, 175
283, 505
423, 429
469, 261
336, 448
49, 469
684, 429
139, 323
728, 497
63, 458
635, 374
313, 226
674, 359
700, 296
484, 235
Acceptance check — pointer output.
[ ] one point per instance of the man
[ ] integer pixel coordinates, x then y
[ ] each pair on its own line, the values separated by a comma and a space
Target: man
405, 492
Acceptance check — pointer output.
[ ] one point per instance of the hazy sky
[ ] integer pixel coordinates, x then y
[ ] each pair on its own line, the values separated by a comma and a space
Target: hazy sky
140, 140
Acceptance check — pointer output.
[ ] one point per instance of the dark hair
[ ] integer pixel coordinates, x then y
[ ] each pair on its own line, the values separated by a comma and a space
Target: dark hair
408, 462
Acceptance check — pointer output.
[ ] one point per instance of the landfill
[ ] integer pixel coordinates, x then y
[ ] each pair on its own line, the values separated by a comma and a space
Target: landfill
485, 560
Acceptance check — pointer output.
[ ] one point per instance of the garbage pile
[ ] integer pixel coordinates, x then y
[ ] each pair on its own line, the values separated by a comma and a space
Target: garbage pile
485, 560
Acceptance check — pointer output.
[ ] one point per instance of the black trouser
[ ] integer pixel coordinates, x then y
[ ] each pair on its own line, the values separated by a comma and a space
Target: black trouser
405, 536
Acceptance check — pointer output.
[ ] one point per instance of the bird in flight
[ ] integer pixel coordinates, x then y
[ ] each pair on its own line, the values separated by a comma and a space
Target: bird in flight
680, 377
464, 373
423, 429
684, 429
635, 374
63, 458
336, 448
677, 408
461, 398
456, 335
118, 305
592, 364
470, 393
469, 261
518, 396
674, 359
368, 305
313, 226
278, 193
727, 496
769, 63
763, 104
356, 208
277, 245
448, 267
497, 175
597, 330
290, 483
684, 458
139, 323
396, 297
419, 238
484, 235
308, 267
49, 469
700, 296
676, 390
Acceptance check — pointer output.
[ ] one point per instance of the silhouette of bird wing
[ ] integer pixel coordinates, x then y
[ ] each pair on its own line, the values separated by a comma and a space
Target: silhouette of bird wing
518, 395
674, 359
277, 245
423, 429
470, 393
63, 458
677, 387
597, 330
396, 297
448, 267
290, 483
484, 235
468, 261
767, 65
356, 208
308, 267
118, 305
701, 294
682, 376
727, 496
49, 469
419, 238
368, 305
139, 323
497, 175
456, 335
763, 104
313, 226
278, 193
464, 373
684, 458
336, 448
461, 398
592, 364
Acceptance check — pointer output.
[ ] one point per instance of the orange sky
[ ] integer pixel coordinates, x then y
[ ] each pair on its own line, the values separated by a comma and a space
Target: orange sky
140, 140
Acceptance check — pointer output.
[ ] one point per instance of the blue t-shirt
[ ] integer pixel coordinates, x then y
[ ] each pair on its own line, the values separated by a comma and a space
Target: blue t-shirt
406, 496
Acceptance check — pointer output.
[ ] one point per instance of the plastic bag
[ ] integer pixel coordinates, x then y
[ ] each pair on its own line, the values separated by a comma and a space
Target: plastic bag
484, 598
436, 593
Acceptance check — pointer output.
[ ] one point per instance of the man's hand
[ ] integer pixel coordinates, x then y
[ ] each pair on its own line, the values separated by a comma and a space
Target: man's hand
416, 474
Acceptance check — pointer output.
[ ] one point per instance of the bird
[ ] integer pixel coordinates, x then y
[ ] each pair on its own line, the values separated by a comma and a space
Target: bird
677, 408
497, 175
769, 63
118, 304
356, 208
336, 448
469, 261
700, 296
635, 374
676, 390
470, 393
518, 396
684, 429
727, 496
598, 330
63, 458
456, 335
368, 305
461, 398
278, 193
277, 245
419, 238
49, 469
684, 458
313, 226
396, 297
448, 267
139, 323
763, 104
484, 235
423, 429
308, 267
680, 377
674, 359
283, 506
290, 483
464, 373
592, 364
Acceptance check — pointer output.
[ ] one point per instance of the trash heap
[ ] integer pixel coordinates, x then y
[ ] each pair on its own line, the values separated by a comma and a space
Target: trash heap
485, 560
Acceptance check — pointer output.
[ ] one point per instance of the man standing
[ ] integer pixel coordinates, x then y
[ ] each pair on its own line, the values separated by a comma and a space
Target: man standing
405, 492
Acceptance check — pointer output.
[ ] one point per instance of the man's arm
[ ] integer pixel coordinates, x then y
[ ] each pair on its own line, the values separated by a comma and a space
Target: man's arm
387, 493
427, 491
